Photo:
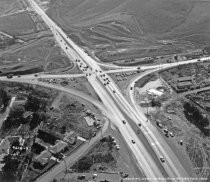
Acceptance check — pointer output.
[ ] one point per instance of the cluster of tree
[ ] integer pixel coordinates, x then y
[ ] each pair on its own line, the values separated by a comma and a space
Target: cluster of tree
35, 103
195, 116
10, 169
155, 103
37, 148
47, 137
106, 158
14, 119
4, 98
86, 162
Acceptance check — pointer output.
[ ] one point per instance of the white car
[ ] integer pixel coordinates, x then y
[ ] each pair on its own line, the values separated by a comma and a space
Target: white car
162, 159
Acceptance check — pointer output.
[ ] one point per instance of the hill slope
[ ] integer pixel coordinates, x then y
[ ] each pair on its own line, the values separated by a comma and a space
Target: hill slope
119, 24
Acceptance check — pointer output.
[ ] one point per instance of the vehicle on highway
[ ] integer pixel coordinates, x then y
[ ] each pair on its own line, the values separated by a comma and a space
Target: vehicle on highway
167, 135
131, 88
159, 124
18, 76
162, 159
36, 75
133, 141
10, 76
171, 134
165, 130
139, 124
138, 131
124, 122
93, 134
117, 147
114, 91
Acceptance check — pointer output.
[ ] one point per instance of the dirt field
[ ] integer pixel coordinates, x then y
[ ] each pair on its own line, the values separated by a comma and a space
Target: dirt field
17, 24
43, 53
9, 6
121, 30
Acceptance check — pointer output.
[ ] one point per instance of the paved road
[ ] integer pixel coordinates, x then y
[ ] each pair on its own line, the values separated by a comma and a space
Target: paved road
143, 158
115, 103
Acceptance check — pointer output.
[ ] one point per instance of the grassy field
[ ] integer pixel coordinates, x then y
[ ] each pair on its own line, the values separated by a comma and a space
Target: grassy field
117, 24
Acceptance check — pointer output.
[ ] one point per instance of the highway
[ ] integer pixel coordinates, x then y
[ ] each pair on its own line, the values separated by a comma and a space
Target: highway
144, 160
117, 107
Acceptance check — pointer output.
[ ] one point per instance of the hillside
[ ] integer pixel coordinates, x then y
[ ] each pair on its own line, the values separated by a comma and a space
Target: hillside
115, 25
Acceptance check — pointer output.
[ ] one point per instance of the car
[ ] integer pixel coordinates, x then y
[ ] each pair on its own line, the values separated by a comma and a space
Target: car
165, 130
18, 76
93, 134
131, 88
104, 84
117, 147
162, 159
133, 141
139, 124
138, 131
114, 91
171, 134
124, 122
160, 125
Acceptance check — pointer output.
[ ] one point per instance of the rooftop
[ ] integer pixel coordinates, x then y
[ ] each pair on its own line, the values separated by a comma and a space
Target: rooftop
58, 147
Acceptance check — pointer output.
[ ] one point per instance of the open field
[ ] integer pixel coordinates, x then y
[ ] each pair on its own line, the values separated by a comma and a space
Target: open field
43, 53
123, 29
17, 24
9, 6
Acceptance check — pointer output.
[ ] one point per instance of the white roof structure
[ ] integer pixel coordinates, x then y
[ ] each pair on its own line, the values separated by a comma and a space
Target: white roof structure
154, 92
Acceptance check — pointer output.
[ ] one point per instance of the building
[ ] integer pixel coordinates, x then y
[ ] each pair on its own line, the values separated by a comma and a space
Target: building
154, 92
44, 157
89, 120
184, 79
183, 85
59, 147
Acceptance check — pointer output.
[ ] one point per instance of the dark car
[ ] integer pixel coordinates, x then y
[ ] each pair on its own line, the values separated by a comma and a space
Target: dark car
124, 122
133, 141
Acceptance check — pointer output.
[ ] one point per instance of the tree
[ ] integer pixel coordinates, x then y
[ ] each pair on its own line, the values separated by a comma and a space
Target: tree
4, 97
9, 170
